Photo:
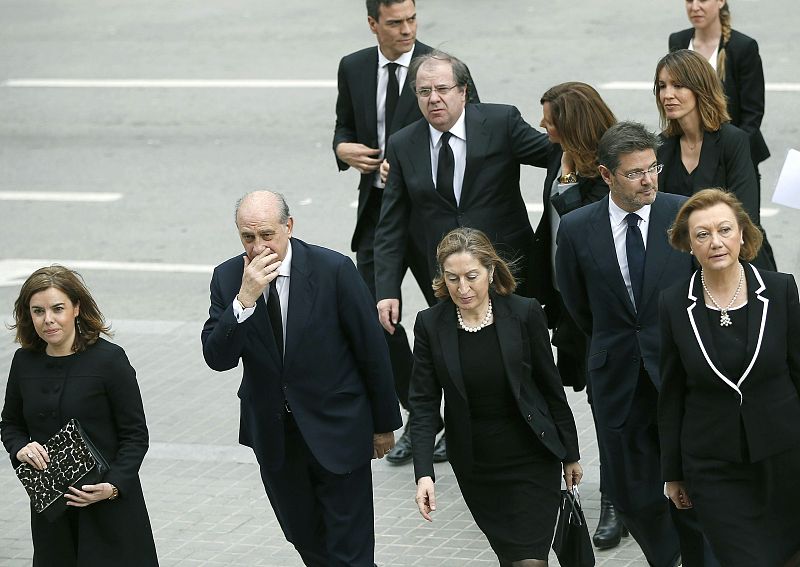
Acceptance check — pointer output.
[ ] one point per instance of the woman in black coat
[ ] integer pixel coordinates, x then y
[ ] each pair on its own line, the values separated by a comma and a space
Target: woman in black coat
64, 370
736, 61
729, 405
700, 147
508, 423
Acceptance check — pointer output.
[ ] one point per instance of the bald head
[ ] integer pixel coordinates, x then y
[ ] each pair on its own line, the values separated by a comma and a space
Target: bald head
263, 221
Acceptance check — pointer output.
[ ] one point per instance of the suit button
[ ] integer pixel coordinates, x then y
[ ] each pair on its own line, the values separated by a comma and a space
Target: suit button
541, 435
638, 328
285, 388
529, 417
636, 359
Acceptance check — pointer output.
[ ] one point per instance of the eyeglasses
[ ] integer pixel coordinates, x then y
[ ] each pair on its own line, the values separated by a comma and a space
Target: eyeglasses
638, 175
441, 90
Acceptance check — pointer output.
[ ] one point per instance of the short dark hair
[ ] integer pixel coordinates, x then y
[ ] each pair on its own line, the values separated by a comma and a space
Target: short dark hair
283, 207
374, 7
460, 70
92, 322
679, 231
477, 244
624, 138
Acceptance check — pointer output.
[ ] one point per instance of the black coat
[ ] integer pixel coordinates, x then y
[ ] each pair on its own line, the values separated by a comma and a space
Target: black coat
743, 83
528, 360
97, 387
498, 141
700, 407
357, 112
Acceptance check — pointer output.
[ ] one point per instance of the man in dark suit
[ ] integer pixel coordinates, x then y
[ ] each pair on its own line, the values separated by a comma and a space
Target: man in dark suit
457, 166
317, 397
612, 261
375, 100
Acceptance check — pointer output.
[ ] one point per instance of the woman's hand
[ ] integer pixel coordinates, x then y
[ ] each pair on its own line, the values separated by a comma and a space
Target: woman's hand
35, 455
573, 473
676, 491
426, 499
89, 494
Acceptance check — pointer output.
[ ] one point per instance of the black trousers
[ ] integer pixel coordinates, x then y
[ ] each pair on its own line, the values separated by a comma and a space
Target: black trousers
399, 347
328, 517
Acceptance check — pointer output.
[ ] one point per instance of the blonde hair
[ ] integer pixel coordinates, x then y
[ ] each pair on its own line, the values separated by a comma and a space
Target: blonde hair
475, 243
695, 73
722, 54
581, 117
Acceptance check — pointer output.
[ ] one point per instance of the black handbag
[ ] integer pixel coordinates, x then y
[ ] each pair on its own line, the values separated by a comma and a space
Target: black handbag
572, 544
74, 461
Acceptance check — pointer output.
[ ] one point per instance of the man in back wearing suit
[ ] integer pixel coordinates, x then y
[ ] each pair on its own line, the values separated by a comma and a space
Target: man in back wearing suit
317, 396
457, 166
375, 100
612, 261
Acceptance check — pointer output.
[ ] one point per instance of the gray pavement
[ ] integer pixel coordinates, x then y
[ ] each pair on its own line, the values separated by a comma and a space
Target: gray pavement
180, 157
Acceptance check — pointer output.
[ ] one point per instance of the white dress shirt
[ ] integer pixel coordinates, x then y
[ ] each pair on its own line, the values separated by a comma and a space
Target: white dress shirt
458, 143
713, 59
383, 81
242, 313
619, 229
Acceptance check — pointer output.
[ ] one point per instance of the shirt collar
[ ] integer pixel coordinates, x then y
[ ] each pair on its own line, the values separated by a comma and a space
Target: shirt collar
617, 214
285, 268
404, 59
459, 130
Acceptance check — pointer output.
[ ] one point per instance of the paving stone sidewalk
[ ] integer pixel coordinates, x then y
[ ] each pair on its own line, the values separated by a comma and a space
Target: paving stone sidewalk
204, 492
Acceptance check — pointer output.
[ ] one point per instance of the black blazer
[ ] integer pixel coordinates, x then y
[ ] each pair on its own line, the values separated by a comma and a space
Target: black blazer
723, 163
498, 141
743, 83
621, 338
357, 112
532, 375
97, 387
588, 190
335, 372
700, 408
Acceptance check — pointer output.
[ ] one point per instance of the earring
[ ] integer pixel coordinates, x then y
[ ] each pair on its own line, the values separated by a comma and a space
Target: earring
491, 277
78, 325
691, 251
741, 242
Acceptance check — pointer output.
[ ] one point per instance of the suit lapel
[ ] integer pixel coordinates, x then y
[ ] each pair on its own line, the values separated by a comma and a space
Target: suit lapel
370, 108
509, 336
301, 300
448, 338
419, 159
478, 139
709, 161
756, 317
604, 251
658, 249
264, 331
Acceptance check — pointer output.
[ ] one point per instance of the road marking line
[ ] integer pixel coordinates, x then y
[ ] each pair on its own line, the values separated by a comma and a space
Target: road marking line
14, 271
171, 83
769, 211
59, 196
648, 86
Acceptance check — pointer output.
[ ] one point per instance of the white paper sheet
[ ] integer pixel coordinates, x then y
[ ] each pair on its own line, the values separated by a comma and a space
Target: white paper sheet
787, 192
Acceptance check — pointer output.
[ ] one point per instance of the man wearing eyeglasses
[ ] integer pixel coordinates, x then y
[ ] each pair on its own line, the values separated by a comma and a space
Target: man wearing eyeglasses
376, 100
458, 166
612, 261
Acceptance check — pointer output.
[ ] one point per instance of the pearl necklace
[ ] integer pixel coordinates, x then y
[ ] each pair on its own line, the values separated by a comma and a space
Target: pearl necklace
486, 320
724, 318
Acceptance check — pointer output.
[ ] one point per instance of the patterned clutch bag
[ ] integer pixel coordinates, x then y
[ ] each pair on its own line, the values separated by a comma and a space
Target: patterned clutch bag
74, 461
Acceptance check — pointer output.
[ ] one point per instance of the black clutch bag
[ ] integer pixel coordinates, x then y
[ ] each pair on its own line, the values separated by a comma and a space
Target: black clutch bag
571, 543
74, 461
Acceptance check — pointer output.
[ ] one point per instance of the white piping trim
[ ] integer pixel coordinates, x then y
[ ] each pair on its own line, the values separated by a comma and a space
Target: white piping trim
765, 301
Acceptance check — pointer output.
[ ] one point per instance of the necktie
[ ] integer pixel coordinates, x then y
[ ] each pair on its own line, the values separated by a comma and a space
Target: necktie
634, 248
446, 170
392, 94
274, 312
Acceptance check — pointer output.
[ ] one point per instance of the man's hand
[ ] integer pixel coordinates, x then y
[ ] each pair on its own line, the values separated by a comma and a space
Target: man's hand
426, 497
384, 170
389, 313
359, 156
382, 443
573, 473
257, 275
676, 491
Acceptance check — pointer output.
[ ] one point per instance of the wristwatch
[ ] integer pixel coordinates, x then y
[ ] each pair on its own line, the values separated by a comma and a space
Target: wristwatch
568, 178
114, 493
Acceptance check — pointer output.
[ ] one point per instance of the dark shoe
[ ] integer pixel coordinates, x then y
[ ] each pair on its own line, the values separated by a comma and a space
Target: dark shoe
440, 450
610, 528
401, 452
